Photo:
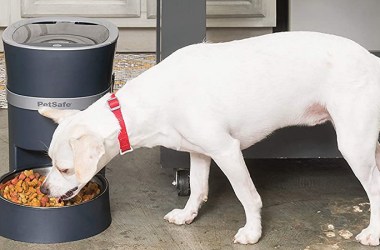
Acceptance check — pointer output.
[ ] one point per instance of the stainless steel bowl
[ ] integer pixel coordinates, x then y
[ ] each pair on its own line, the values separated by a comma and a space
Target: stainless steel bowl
45, 171
55, 224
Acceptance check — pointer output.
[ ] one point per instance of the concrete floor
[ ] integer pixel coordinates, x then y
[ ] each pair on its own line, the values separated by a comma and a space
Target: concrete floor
301, 198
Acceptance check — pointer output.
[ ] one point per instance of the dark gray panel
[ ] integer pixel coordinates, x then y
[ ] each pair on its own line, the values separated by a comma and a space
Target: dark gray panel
179, 23
297, 142
49, 73
182, 23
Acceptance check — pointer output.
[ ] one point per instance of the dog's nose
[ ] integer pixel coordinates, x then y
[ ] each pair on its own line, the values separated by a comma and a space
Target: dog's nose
44, 190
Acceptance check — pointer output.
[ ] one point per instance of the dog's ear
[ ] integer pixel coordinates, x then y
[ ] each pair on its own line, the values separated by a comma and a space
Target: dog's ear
57, 115
87, 150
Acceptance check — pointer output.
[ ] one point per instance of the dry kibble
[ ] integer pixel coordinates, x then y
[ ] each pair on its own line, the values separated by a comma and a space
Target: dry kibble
25, 189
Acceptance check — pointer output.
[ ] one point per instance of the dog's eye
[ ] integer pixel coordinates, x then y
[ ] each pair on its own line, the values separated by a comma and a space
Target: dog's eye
64, 170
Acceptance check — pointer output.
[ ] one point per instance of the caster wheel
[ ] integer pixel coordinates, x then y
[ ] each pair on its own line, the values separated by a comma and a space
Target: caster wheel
183, 182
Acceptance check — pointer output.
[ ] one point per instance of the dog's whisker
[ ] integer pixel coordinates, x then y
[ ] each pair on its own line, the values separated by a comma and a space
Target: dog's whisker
46, 147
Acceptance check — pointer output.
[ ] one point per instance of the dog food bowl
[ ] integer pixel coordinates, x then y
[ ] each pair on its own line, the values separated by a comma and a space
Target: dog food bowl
55, 224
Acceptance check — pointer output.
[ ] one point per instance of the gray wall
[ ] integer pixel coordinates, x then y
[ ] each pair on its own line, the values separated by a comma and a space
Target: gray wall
358, 20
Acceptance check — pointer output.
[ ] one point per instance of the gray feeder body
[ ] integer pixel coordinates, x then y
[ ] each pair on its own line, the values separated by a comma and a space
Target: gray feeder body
64, 63
57, 62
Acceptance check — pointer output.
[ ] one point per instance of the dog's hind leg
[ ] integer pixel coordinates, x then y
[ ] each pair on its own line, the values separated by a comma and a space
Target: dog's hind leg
357, 129
230, 160
371, 234
199, 174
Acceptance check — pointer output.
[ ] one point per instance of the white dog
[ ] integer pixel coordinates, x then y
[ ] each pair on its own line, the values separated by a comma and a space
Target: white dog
213, 100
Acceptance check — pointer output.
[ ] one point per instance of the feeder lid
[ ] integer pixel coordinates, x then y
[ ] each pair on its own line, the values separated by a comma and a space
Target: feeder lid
67, 33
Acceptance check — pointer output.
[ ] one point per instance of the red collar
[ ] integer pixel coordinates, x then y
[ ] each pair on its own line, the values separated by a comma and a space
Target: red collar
114, 105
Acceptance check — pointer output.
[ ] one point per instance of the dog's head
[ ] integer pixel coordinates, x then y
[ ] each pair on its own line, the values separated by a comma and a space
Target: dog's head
77, 153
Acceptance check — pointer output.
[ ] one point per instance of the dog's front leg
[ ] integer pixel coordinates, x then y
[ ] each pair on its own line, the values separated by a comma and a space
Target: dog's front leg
199, 173
230, 160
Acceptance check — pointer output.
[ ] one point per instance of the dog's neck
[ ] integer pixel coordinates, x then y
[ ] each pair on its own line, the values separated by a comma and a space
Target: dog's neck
142, 126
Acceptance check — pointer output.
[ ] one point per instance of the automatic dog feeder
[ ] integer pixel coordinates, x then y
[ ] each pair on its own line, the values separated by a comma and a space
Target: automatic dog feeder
61, 62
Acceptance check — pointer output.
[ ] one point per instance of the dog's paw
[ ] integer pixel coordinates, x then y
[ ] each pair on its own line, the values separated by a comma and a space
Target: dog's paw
181, 216
368, 237
248, 235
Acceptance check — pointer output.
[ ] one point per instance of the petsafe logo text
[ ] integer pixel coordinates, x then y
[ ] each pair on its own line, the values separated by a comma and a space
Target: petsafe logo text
54, 104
